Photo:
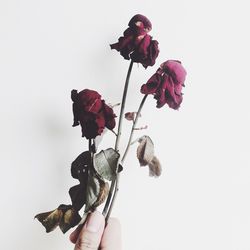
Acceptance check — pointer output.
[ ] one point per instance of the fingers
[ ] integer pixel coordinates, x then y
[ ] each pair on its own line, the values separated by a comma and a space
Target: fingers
91, 234
111, 239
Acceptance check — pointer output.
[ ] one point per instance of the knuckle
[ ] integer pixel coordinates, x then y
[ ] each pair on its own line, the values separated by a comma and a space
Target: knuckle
85, 243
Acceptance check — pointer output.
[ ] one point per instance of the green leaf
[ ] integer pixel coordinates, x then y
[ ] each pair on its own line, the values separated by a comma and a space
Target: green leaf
105, 163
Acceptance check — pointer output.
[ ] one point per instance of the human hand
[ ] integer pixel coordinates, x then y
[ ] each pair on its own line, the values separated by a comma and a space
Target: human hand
94, 235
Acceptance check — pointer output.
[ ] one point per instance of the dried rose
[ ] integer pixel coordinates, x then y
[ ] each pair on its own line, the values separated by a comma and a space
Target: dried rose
65, 216
91, 112
136, 44
166, 84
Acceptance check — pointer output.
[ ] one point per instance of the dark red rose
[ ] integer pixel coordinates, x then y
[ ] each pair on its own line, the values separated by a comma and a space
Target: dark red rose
136, 44
91, 112
166, 84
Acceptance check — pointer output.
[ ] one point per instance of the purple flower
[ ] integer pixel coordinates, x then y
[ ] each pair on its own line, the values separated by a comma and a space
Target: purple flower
136, 44
91, 112
166, 84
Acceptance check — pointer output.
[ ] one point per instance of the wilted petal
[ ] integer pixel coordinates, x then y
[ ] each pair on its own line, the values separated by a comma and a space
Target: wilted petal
175, 69
140, 24
152, 84
90, 101
109, 116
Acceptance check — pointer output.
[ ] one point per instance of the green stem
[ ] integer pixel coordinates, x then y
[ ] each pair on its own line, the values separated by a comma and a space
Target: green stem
114, 182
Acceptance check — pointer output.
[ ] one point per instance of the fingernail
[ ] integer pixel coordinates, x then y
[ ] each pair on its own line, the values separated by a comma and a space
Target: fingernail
94, 222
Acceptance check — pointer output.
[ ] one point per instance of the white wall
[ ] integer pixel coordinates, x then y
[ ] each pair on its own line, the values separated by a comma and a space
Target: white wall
50, 47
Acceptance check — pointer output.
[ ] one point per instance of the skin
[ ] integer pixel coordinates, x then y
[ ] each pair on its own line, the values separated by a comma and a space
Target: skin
95, 236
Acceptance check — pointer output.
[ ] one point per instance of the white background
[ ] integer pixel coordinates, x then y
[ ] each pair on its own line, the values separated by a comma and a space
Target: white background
49, 47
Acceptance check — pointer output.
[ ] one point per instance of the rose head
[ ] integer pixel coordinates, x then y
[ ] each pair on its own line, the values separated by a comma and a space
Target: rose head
91, 112
136, 44
166, 84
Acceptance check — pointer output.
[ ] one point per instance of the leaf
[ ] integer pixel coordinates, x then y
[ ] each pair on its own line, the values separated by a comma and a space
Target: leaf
78, 195
105, 163
145, 150
70, 219
80, 166
64, 216
155, 167
97, 191
93, 190
104, 190
50, 220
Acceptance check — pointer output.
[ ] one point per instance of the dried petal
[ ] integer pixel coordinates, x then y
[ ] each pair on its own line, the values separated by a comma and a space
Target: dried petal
145, 151
105, 163
155, 167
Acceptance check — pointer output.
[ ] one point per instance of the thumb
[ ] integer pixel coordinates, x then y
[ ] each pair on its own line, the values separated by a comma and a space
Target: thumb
91, 234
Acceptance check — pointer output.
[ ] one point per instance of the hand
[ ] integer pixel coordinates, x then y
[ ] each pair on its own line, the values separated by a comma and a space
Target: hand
94, 235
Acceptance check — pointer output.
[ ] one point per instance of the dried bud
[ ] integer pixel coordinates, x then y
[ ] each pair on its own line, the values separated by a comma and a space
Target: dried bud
130, 116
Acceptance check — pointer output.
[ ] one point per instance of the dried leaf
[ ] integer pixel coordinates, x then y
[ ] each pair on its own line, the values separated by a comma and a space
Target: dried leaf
50, 220
105, 163
80, 166
64, 216
93, 190
145, 150
97, 191
130, 116
78, 195
104, 190
70, 219
155, 167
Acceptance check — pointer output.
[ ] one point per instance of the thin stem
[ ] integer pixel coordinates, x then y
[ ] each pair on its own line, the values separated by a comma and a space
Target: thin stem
125, 154
114, 182
123, 106
133, 128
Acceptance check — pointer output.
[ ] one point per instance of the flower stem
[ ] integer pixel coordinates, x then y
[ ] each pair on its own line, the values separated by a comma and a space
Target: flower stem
114, 182
123, 106
133, 128
116, 186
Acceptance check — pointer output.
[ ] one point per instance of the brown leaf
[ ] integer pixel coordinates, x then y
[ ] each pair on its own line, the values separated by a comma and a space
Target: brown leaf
64, 216
104, 190
145, 150
97, 191
50, 220
70, 219
155, 167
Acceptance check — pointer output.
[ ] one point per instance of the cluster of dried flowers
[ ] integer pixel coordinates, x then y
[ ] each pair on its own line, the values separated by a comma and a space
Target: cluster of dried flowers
94, 170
